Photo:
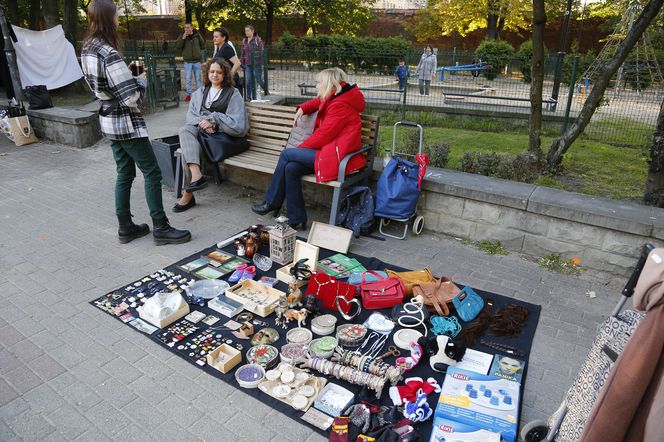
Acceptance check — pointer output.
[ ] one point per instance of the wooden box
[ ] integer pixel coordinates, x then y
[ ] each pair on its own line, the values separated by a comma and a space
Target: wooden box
302, 250
256, 297
330, 237
183, 310
232, 357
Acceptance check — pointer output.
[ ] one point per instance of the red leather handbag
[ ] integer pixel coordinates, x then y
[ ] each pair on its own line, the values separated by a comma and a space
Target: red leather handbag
327, 288
383, 293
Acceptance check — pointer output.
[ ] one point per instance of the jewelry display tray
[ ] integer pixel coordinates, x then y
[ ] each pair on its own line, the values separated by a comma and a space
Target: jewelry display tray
316, 382
269, 296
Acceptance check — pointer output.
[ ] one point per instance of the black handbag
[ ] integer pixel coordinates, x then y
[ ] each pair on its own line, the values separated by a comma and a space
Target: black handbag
38, 97
219, 146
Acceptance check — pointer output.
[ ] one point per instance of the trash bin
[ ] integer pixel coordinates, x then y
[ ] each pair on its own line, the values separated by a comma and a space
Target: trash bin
164, 149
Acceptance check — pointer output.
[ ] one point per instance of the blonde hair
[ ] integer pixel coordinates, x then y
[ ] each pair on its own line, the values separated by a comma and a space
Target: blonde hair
330, 80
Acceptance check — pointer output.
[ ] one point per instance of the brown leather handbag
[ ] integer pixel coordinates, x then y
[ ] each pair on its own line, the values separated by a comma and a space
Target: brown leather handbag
409, 278
437, 295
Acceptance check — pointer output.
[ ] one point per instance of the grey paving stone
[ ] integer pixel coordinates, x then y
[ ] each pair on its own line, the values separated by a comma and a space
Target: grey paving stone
249, 426
183, 387
44, 399
26, 351
131, 432
171, 431
67, 356
6, 433
14, 408
69, 422
22, 379
46, 367
107, 418
89, 373
210, 429
146, 416
8, 361
61, 382
121, 370
286, 429
81, 396
11, 336
185, 411
31, 426
93, 436
148, 389
115, 392
128, 350
153, 368
7, 393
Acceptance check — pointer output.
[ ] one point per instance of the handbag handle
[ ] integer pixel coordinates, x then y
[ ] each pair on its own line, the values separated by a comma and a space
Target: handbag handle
377, 275
442, 310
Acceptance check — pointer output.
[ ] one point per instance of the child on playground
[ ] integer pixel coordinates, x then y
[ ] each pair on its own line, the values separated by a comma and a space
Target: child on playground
401, 74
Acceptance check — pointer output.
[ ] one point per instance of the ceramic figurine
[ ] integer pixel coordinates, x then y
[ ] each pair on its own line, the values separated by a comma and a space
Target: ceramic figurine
312, 304
298, 315
280, 309
295, 295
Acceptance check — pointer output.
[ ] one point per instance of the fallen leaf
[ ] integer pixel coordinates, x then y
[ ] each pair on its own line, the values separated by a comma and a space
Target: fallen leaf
591, 294
40, 238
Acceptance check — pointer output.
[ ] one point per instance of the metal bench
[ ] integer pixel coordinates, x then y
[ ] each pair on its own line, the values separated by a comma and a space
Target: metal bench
270, 127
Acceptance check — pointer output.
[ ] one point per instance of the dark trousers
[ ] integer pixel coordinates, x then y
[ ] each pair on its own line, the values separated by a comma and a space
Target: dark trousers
425, 86
286, 182
128, 154
402, 83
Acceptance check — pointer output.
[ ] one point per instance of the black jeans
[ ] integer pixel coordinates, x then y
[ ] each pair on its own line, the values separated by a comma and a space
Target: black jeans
287, 184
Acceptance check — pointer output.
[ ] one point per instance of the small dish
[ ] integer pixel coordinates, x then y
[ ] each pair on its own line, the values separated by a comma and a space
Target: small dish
323, 347
263, 355
272, 375
306, 391
299, 402
250, 375
281, 391
287, 377
293, 353
403, 337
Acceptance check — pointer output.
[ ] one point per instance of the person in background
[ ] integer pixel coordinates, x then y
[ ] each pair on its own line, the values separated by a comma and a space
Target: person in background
252, 60
226, 51
190, 43
426, 68
217, 107
121, 121
337, 132
401, 74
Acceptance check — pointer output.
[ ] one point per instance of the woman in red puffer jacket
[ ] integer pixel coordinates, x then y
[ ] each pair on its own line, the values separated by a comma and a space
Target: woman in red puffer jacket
337, 132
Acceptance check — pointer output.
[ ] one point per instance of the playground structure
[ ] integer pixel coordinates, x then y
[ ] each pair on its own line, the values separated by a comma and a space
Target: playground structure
475, 69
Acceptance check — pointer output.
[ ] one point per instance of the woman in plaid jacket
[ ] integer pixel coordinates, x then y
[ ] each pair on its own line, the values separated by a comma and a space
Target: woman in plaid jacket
121, 122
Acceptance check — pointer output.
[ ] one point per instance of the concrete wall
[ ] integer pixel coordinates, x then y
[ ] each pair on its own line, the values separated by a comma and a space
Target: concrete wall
607, 235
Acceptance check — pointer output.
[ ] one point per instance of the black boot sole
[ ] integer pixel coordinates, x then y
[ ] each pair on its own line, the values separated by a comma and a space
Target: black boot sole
129, 238
165, 241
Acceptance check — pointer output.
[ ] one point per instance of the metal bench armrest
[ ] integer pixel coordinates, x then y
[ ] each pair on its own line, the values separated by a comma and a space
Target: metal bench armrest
344, 162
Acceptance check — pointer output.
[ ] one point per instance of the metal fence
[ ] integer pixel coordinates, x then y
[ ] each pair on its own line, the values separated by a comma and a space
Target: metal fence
627, 117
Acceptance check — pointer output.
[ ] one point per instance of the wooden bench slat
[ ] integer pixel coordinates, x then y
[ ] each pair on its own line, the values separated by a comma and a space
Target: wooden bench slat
271, 113
271, 127
270, 106
251, 159
279, 121
265, 151
278, 144
270, 134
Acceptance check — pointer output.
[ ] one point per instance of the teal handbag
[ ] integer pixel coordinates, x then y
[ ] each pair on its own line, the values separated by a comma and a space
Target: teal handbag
468, 304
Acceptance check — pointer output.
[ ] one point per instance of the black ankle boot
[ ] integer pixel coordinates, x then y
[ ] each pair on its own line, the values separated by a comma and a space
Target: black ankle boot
129, 231
264, 208
163, 233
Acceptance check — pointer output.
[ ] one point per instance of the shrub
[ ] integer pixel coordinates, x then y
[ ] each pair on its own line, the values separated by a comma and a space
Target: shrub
525, 59
480, 163
495, 52
439, 154
522, 167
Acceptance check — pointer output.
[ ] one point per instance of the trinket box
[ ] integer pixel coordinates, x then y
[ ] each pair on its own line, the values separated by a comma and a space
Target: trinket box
224, 358
299, 336
250, 375
264, 355
323, 325
293, 353
256, 297
351, 335
302, 251
323, 347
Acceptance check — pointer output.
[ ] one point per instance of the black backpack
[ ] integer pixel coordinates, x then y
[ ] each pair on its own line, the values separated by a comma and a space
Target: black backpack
357, 211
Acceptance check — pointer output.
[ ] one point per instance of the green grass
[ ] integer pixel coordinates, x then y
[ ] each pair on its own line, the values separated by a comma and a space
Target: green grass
589, 167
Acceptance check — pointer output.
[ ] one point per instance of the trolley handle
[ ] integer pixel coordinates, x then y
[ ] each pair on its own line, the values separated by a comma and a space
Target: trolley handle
407, 123
628, 291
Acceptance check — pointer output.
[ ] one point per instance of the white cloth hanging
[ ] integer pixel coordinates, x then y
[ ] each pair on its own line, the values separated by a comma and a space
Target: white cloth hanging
46, 57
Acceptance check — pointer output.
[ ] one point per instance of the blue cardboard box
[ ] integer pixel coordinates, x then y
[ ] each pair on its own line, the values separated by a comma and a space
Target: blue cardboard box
480, 402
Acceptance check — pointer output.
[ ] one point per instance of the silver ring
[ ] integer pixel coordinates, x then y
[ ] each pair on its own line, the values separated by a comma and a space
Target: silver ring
352, 301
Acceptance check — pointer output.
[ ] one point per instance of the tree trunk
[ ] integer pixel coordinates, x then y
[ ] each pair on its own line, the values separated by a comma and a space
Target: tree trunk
537, 73
561, 144
187, 11
51, 13
70, 21
35, 15
269, 20
654, 195
12, 13
492, 27
201, 19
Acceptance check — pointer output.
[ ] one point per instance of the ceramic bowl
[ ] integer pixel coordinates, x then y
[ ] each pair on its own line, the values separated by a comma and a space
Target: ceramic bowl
250, 375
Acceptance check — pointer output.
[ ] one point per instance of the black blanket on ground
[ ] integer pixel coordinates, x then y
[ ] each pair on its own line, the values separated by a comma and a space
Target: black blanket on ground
522, 342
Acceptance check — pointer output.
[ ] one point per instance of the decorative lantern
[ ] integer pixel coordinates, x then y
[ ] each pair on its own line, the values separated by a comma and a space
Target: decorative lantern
282, 242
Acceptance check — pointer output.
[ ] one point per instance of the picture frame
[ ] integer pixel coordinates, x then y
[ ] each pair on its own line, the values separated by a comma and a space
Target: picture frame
230, 265
209, 272
331, 237
218, 256
193, 265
